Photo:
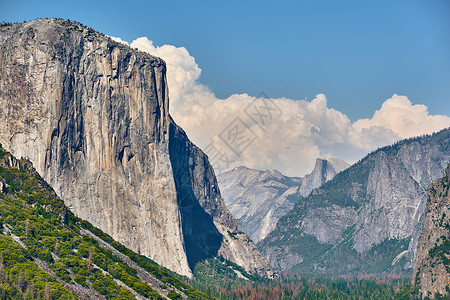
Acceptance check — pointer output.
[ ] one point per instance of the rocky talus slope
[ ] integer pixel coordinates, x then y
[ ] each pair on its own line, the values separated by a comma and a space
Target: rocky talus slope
368, 218
92, 115
258, 199
432, 268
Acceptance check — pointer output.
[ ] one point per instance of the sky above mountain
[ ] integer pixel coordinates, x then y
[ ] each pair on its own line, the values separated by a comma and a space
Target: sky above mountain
275, 84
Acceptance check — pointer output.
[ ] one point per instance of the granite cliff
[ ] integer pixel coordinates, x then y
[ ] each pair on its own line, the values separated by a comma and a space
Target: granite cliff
368, 218
92, 115
432, 268
258, 199
324, 170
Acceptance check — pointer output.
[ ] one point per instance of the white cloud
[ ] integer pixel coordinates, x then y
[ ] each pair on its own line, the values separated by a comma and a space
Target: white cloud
285, 134
403, 118
183, 72
119, 40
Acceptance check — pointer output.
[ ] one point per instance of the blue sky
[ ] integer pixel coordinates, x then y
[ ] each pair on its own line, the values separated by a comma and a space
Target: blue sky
347, 58
358, 53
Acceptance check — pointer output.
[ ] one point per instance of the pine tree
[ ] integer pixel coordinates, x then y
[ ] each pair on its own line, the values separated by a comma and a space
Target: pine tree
21, 281
57, 248
89, 262
47, 292
30, 291
27, 228
2, 271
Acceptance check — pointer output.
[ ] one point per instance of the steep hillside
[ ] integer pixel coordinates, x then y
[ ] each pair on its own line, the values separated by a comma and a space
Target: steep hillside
257, 199
368, 217
432, 269
45, 251
92, 115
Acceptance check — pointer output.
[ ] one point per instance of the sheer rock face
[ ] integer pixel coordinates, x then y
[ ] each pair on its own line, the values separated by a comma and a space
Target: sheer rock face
205, 219
258, 199
92, 116
324, 170
432, 271
380, 199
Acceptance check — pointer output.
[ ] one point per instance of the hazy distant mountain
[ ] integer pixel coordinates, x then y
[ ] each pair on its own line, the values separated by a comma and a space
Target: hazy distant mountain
257, 199
368, 217
324, 170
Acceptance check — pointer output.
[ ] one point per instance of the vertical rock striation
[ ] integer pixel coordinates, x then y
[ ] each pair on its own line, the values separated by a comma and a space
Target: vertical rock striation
209, 228
368, 217
92, 115
432, 268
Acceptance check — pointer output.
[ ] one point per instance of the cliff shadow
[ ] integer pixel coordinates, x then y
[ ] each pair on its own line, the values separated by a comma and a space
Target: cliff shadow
201, 238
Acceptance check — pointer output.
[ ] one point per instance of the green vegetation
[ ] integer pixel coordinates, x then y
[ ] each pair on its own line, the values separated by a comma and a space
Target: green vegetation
31, 211
2, 153
376, 261
339, 190
162, 274
348, 189
217, 277
21, 278
219, 272
50, 234
346, 287
442, 252
174, 295
4, 24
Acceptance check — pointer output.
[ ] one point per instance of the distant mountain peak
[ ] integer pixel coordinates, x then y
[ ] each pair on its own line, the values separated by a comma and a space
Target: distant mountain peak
368, 217
257, 199
338, 164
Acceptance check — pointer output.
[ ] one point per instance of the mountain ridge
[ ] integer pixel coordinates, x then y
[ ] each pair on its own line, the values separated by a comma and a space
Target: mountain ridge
93, 117
257, 199
370, 212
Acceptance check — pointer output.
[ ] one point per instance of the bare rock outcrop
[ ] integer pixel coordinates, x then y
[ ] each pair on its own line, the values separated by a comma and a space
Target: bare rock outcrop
92, 115
368, 218
258, 199
432, 268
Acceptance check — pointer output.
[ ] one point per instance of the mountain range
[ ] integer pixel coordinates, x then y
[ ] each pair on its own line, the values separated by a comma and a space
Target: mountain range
92, 115
257, 199
368, 218
109, 199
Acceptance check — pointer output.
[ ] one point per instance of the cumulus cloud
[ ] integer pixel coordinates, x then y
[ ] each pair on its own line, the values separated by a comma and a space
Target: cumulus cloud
283, 134
403, 118
119, 40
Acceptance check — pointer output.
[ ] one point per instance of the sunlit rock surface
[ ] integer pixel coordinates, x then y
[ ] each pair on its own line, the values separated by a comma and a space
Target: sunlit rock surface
257, 199
93, 117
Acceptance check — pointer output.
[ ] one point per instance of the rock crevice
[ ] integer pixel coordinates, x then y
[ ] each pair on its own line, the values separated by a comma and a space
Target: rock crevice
92, 115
